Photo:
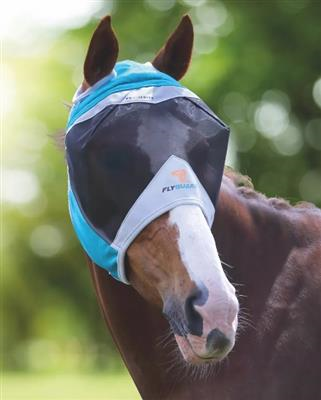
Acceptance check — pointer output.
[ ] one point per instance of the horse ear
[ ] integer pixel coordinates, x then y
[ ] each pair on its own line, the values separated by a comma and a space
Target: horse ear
102, 52
175, 56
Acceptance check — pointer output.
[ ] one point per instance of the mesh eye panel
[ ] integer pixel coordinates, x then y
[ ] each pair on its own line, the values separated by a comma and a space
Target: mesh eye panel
123, 148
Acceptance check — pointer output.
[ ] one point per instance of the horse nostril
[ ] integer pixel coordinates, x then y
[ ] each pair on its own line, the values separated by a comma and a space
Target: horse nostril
217, 342
193, 317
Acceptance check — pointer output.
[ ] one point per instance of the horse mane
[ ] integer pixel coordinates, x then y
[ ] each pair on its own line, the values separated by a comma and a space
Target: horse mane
245, 188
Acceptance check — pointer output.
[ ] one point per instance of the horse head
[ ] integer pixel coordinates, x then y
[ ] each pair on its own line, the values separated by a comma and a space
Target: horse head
173, 261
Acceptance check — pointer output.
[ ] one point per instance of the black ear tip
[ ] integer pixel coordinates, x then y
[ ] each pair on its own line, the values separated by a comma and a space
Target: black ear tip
185, 27
187, 21
106, 21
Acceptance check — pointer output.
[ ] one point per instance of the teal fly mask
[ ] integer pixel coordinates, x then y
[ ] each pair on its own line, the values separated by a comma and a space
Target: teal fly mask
138, 144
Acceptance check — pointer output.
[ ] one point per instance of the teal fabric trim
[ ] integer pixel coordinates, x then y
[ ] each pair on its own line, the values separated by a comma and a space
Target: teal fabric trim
95, 246
128, 75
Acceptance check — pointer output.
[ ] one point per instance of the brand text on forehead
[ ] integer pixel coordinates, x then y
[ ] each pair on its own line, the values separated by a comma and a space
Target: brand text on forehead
139, 97
178, 187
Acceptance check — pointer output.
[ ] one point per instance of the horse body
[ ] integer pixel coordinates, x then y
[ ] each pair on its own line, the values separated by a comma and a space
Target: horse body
275, 252
178, 280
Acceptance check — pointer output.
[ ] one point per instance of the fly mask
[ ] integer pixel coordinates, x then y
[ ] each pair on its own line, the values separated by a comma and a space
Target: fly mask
138, 144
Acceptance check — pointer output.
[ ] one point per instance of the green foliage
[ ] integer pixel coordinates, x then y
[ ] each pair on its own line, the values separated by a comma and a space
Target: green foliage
69, 387
256, 69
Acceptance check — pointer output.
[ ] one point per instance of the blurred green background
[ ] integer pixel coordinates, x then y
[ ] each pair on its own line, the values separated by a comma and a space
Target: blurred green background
256, 63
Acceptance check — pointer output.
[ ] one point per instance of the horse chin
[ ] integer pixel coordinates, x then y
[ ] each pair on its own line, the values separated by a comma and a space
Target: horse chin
192, 353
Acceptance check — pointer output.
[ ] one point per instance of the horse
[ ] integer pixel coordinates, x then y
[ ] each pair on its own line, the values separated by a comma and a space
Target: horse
227, 312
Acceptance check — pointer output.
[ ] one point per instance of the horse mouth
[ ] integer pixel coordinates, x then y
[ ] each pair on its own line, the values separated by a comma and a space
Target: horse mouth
192, 356
212, 346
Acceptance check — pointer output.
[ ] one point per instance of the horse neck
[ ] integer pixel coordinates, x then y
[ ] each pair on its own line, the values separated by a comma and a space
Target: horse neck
254, 239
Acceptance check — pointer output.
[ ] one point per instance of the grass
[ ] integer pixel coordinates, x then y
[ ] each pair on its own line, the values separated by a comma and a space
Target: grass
107, 386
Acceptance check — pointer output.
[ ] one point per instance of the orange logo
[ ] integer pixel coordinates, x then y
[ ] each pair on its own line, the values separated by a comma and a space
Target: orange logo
180, 174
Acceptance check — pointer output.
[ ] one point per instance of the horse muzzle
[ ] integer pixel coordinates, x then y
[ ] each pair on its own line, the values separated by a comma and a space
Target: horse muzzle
204, 330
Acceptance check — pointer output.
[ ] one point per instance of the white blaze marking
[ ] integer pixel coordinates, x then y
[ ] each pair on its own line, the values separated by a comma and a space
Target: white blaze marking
197, 245
200, 257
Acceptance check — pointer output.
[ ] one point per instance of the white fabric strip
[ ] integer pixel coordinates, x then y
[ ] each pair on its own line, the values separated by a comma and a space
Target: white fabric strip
174, 184
143, 95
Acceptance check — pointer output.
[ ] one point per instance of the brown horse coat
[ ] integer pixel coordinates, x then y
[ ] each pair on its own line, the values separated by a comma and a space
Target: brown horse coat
275, 251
